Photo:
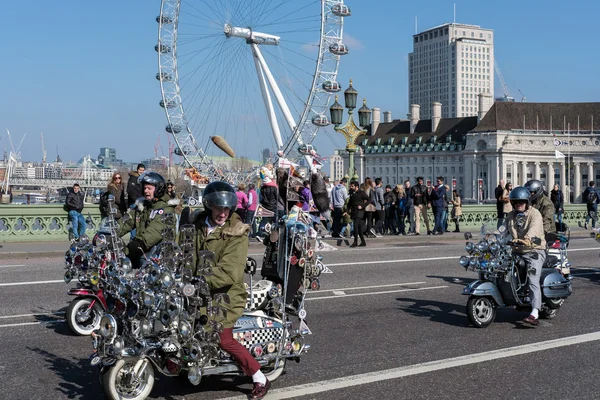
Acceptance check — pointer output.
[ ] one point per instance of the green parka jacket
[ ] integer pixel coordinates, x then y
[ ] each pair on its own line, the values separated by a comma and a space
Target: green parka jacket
544, 205
230, 245
147, 220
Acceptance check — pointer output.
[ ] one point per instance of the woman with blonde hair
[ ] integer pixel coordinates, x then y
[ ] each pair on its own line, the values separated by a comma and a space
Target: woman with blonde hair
117, 189
400, 209
369, 188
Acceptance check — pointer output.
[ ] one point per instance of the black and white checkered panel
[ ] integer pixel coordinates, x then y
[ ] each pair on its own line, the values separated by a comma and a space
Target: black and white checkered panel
260, 295
259, 336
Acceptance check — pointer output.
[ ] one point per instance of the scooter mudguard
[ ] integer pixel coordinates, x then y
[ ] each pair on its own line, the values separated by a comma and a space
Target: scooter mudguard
483, 289
555, 285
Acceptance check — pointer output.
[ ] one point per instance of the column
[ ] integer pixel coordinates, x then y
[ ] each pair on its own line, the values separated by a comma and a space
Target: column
468, 178
577, 188
536, 171
523, 172
550, 176
591, 175
490, 183
474, 181
563, 181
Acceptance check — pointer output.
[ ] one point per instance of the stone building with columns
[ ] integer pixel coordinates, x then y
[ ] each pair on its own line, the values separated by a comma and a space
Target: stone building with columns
511, 141
518, 141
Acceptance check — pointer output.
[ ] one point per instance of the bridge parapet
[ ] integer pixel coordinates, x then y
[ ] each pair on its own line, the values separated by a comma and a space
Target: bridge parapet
49, 222
39, 223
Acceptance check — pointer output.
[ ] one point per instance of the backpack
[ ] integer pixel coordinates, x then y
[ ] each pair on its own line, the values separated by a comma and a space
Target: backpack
104, 209
592, 196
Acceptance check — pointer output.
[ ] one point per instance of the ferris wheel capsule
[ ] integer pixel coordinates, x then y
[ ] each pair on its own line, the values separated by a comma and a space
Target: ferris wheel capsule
175, 129
341, 10
339, 49
320, 120
331, 86
164, 19
162, 48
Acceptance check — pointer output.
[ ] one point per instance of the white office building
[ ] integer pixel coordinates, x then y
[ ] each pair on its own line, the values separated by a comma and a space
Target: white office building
451, 64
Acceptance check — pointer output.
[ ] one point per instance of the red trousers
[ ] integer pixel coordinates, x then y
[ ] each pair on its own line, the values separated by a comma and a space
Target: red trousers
239, 353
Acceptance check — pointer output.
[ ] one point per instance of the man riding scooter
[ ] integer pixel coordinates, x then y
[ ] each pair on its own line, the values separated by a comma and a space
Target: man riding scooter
525, 224
146, 217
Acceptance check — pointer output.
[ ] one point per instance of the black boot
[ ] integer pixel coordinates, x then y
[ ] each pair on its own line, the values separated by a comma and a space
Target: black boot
355, 244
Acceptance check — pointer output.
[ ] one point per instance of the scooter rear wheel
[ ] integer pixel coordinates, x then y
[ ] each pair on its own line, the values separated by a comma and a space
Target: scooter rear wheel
82, 319
548, 313
481, 311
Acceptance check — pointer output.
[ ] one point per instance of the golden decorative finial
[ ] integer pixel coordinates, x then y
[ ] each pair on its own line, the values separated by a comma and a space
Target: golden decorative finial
350, 81
336, 97
364, 101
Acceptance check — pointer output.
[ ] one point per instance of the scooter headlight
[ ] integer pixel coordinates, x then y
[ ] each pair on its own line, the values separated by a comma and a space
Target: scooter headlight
483, 246
108, 327
469, 247
148, 298
464, 261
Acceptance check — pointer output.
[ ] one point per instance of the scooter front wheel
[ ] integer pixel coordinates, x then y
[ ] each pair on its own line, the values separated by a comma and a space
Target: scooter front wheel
273, 373
481, 311
121, 382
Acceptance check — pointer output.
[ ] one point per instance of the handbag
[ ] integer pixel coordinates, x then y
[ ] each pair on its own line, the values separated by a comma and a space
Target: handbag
370, 207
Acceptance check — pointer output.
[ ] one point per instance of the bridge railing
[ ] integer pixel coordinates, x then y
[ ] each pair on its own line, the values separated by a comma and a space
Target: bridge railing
37, 223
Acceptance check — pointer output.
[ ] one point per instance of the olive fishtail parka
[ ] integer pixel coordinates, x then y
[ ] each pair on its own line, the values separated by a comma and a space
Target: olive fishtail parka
229, 242
147, 221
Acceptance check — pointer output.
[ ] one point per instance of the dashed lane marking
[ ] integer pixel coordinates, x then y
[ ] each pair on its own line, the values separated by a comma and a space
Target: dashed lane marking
31, 283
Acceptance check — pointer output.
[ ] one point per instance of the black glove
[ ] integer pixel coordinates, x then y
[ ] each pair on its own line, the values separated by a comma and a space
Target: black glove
135, 252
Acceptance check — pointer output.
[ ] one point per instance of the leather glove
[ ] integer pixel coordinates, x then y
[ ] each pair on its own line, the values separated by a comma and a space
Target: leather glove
523, 242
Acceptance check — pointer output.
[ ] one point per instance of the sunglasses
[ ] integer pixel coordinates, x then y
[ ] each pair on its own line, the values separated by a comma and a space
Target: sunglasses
117, 177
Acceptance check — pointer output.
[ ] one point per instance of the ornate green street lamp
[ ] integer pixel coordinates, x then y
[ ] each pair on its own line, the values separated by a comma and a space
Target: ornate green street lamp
350, 130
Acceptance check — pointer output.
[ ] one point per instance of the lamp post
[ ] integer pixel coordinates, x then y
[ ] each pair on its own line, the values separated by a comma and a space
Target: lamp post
433, 170
350, 130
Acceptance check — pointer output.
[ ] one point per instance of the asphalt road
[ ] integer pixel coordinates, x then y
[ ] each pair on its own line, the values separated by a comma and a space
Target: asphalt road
389, 323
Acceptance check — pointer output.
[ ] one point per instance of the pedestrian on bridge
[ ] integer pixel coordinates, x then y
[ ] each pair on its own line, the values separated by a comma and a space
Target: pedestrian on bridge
134, 187
74, 203
117, 189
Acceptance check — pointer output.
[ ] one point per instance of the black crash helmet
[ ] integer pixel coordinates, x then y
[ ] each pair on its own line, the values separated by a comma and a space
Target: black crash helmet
219, 194
156, 180
535, 188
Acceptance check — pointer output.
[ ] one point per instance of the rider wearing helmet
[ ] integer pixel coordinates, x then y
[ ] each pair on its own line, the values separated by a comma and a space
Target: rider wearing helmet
220, 230
146, 216
542, 203
525, 223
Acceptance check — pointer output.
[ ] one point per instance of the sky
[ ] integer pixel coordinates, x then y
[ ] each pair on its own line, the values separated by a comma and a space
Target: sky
83, 73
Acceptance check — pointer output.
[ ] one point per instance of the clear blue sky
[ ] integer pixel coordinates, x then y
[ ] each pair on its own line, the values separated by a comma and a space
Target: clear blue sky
83, 72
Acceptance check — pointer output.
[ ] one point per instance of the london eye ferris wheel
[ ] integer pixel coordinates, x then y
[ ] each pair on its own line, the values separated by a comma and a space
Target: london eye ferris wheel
260, 74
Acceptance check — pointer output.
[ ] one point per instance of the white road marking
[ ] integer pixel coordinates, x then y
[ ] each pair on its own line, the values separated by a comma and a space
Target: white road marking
57, 314
372, 287
586, 273
375, 293
339, 293
24, 324
395, 261
30, 283
12, 266
343, 249
423, 368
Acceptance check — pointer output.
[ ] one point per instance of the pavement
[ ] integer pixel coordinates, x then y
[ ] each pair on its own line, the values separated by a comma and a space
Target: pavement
26, 250
389, 323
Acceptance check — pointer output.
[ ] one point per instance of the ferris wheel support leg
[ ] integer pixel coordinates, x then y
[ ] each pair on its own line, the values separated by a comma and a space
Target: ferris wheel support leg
268, 102
278, 96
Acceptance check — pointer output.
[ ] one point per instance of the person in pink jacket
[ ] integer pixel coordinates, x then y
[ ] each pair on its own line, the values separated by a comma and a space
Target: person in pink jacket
242, 201
252, 206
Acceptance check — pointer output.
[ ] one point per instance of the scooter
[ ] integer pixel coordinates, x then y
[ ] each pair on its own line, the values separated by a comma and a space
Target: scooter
503, 281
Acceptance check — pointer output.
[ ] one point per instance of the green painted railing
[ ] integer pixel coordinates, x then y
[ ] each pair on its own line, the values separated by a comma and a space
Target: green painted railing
40, 223
37, 223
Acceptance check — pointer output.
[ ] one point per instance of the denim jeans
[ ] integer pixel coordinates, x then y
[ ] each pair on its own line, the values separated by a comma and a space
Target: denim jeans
592, 208
78, 223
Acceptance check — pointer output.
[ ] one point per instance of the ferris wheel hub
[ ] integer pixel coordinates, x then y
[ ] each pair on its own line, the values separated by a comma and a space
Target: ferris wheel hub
251, 36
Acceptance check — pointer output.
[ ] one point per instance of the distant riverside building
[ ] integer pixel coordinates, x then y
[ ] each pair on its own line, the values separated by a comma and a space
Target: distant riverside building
451, 64
108, 157
267, 156
511, 141
336, 166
